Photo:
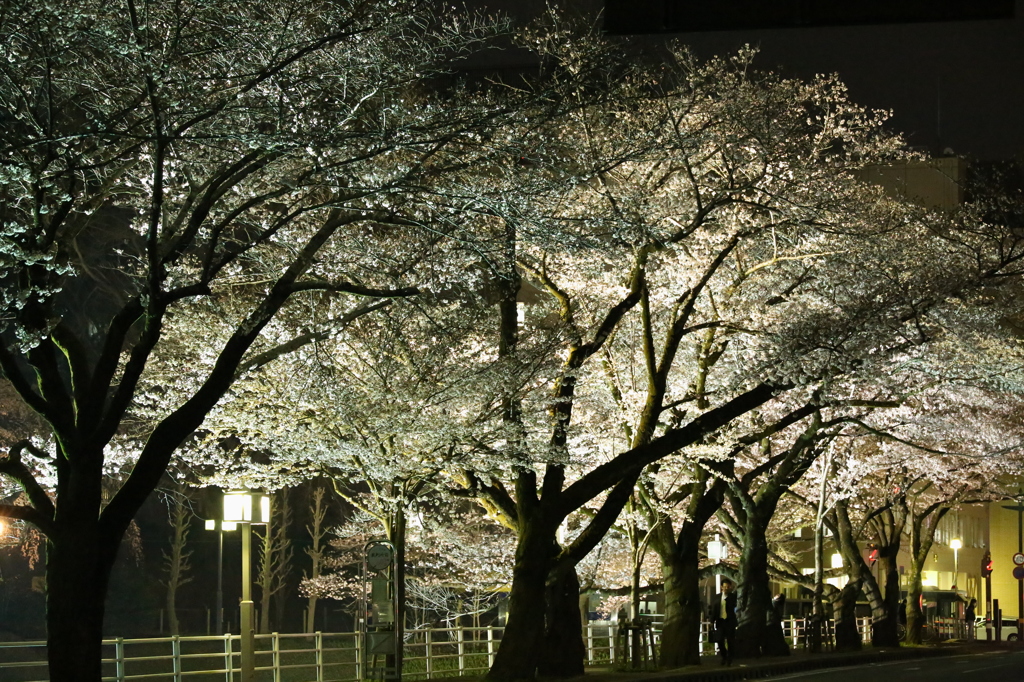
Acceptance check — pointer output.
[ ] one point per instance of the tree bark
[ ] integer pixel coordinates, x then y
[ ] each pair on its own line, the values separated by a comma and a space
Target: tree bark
680, 635
516, 658
844, 611
858, 570
78, 565
885, 621
754, 635
564, 651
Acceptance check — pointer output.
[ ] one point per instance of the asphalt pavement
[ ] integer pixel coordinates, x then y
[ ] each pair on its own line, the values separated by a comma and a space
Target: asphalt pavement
952, 661
990, 666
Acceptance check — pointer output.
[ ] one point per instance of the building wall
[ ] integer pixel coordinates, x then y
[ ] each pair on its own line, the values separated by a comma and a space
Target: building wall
1003, 530
932, 183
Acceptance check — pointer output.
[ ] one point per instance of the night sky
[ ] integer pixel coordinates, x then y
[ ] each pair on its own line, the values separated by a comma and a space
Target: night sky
949, 84
954, 84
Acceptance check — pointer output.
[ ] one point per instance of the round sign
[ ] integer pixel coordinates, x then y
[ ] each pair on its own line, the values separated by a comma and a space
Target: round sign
379, 557
1018, 559
1018, 572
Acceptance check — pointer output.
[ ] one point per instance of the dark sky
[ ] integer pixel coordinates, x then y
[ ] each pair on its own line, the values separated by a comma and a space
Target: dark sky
949, 84
957, 85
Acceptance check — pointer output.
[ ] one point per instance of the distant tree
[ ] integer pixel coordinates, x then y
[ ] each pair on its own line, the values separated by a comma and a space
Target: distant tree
318, 530
177, 558
275, 555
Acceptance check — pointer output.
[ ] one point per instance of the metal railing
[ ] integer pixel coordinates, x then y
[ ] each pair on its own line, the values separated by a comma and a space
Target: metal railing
328, 657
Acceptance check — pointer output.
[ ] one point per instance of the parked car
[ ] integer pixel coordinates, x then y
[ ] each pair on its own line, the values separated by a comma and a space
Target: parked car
1008, 632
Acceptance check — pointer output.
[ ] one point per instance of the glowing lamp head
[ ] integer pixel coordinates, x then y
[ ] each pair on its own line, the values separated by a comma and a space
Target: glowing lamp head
246, 506
955, 544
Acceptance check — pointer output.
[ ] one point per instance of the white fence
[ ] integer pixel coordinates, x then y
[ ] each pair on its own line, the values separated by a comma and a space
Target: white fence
322, 657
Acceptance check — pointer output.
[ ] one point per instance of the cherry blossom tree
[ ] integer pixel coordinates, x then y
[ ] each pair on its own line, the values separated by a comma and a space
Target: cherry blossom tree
160, 159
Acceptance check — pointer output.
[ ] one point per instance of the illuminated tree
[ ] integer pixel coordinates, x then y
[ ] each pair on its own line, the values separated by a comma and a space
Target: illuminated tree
161, 159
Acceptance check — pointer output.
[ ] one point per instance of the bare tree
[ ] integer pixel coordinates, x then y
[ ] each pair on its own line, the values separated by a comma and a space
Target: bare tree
275, 557
176, 560
317, 532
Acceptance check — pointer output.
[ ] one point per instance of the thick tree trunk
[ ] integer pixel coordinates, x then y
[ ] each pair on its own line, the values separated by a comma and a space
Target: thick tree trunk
754, 635
522, 642
76, 579
844, 610
564, 652
885, 621
915, 617
680, 635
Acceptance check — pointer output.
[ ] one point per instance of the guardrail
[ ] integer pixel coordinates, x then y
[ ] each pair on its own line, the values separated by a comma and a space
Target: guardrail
328, 657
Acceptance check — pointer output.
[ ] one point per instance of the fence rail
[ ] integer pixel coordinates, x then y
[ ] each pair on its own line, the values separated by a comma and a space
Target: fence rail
330, 657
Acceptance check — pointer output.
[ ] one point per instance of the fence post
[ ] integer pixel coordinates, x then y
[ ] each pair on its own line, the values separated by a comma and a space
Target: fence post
227, 657
490, 647
460, 639
275, 640
590, 642
613, 633
427, 647
360, 668
119, 658
176, 657
319, 656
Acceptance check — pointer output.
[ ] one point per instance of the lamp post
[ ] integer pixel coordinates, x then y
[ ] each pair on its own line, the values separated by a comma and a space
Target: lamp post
220, 526
245, 507
955, 545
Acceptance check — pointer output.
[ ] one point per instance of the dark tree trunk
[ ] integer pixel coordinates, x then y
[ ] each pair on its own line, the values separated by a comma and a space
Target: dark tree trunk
522, 642
844, 610
680, 635
563, 652
885, 621
754, 635
78, 569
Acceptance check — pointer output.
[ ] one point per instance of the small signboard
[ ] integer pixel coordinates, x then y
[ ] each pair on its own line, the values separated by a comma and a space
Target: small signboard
379, 556
1018, 559
1018, 572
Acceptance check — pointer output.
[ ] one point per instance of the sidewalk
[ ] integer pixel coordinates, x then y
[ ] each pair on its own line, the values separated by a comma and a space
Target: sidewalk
799, 661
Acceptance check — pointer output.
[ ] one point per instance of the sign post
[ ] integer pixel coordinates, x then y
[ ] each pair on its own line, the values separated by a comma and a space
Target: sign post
380, 609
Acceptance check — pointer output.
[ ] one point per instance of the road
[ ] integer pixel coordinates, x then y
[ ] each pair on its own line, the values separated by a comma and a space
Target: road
995, 666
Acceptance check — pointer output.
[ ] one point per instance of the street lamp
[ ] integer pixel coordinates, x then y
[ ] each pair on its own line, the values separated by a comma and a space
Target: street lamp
245, 507
218, 607
955, 544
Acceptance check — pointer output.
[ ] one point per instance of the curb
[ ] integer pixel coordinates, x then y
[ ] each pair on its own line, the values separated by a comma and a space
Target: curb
759, 671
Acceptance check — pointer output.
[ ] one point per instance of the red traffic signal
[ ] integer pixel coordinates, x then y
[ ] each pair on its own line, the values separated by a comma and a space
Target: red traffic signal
986, 565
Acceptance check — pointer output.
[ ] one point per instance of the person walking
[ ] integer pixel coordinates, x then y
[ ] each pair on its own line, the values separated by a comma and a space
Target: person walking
723, 617
969, 618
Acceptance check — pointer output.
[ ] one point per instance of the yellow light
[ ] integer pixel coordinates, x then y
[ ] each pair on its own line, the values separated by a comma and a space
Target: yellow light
955, 543
241, 507
837, 560
211, 524
228, 525
238, 507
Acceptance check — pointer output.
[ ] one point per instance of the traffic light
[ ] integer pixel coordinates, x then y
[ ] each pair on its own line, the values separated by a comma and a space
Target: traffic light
986, 565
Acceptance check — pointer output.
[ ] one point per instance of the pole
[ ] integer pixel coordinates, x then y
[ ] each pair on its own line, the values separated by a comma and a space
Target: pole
1020, 584
218, 614
246, 627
